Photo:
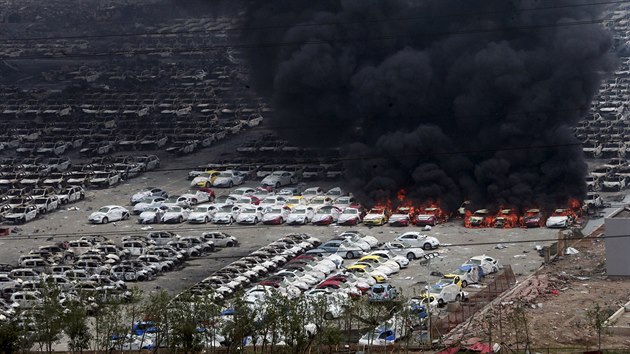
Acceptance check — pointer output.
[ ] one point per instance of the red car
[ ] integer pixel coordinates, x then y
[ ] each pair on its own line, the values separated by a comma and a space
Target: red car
533, 218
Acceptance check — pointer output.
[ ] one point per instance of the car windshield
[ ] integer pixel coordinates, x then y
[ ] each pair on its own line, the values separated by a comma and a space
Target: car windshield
377, 211
378, 290
299, 211
40, 201
226, 208
343, 201
249, 211
222, 199
474, 261
225, 174
244, 201
323, 211
171, 200
19, 210
350, 211
269, 201
175, 209
444, 282
334, 192
103, 210
310, 192
294, 201
317, 201
239, 192
277, 173
101, 175
275, 211
202, 209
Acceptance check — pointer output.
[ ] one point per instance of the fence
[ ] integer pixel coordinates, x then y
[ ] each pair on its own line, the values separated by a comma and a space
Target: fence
502, 281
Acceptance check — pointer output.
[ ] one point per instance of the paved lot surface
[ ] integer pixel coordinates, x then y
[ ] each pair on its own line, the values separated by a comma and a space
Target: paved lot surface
71, 223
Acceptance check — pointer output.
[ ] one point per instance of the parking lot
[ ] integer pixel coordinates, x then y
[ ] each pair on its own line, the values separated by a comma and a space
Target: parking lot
69, 223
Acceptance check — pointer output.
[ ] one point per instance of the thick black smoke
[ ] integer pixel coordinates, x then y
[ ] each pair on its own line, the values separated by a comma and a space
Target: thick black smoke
440, 97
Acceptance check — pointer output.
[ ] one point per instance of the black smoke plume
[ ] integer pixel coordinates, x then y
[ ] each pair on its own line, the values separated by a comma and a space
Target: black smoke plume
450, 100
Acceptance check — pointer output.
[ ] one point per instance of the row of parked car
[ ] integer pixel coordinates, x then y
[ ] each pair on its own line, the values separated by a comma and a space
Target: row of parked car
57, 172
298, 264
95, 267
21, 205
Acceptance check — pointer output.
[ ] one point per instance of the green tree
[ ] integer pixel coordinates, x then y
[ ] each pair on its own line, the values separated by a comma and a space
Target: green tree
48, 317
184, 324
157, 310
75, 325
598, 320
10, 334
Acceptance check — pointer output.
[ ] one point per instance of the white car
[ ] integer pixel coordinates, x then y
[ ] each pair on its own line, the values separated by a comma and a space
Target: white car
109, 213
417, 239
326, 215
175, 214
349, 216
149, 162
312, 192
335, 192
345, 202
202, 214
278, 179
226, 214
220, 239
402, 261
228, 179
402, 248
319, 202
383, 264
148, 202
446, 290
71, 194
300, 215
21, 214
46, 204
176, 200
104, 179
559, 219
275, 215
273, 200
249, 215
196, 196
243, 192
152, 215
354, 239
488, 265
371, 240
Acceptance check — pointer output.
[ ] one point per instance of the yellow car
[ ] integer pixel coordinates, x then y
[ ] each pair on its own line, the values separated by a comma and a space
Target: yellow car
384, 263
206, 179
376, 217
449, 279
364, 269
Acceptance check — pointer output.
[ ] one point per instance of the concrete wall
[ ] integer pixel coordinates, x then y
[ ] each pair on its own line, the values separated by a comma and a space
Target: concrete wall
618, 248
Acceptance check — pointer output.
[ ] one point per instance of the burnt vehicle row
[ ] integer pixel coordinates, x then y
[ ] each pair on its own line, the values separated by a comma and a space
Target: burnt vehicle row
96, 268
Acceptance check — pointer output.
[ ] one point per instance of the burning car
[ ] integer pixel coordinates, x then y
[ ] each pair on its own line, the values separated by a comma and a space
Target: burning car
429, 216
402, 216
506, 218
480, 218
533, 218
561, 218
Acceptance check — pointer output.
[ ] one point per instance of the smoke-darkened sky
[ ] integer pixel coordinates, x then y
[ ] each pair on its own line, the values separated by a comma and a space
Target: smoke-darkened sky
445, 92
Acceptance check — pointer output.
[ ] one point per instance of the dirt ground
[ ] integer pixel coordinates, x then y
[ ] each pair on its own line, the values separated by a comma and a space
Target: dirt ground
557, 303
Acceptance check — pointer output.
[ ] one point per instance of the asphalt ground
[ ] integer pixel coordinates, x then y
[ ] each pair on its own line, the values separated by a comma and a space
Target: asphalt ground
71, 222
